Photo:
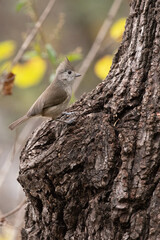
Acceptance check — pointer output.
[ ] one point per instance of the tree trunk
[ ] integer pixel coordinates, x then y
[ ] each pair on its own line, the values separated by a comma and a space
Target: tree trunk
98, 178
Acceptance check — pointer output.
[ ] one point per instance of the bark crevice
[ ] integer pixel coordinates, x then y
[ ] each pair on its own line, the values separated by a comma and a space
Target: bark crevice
98, 178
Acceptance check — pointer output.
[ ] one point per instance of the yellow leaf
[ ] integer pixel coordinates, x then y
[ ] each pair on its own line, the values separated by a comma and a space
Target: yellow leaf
102, 66
7, 49
7, 233
117, 29
29, 73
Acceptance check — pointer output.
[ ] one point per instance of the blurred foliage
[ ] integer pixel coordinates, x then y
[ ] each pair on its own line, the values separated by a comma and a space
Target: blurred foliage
5, 66
75, 56
7, 233
7, 49
31, 69
34, 63
51, 53
29, 73
117, 29
20, 4
102, 66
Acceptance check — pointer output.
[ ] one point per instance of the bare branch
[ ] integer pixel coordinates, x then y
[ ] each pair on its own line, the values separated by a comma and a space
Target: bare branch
98, 41
8, 162
34, 31
19, 143
16, 209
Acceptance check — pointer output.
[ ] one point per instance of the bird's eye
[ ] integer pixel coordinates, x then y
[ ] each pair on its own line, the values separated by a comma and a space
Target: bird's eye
69, 72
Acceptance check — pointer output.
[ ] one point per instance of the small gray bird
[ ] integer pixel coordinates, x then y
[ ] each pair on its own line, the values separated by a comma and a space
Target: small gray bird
53, 101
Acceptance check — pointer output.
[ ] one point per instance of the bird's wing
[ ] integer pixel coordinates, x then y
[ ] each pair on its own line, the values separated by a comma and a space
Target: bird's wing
52, 96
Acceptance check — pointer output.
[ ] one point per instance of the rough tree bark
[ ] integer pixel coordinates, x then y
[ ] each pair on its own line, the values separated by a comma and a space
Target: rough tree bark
99, 177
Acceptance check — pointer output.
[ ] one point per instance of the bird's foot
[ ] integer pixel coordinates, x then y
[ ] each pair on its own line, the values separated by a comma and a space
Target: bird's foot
69, 122
68, 113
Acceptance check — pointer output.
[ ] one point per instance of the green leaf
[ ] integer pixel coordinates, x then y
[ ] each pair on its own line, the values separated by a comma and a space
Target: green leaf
20, 5
74, 57
29, 54
51, 53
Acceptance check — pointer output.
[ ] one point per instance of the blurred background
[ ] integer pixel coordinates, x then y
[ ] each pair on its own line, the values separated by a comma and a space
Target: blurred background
69, 30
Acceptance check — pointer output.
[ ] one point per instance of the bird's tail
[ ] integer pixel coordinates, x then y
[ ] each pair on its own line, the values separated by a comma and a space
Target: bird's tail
18, 122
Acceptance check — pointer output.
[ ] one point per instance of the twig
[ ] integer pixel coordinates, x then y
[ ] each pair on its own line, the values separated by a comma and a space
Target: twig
17, 146
8, 162
16, 209
98, 41
35, 19
33, 32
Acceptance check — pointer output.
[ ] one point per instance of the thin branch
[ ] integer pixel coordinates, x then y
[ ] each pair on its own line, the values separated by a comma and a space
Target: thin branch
35, 19
16, 209
8, 162
19, 143
33, 32
98, 41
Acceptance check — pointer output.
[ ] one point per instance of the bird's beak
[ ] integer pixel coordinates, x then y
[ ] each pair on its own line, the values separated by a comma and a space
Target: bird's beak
78, 75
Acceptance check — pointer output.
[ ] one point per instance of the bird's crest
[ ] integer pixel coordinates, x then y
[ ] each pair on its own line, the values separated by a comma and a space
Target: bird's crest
64, 66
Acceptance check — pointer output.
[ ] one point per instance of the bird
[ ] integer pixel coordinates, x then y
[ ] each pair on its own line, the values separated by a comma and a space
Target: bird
55, 98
